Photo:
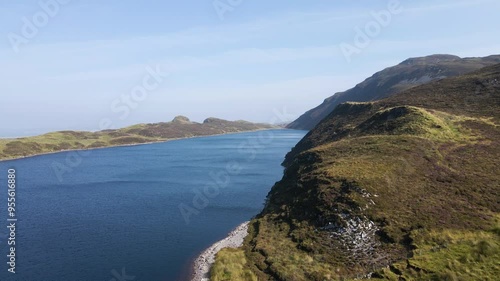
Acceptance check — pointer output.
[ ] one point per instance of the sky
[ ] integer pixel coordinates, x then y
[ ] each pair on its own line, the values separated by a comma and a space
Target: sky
90, 65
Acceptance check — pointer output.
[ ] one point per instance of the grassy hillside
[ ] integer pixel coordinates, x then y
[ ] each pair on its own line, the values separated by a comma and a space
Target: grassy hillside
180, 127
407, 188
408, 74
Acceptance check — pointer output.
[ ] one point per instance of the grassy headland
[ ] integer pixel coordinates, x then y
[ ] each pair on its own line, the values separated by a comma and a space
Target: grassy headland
406, 188
180, 127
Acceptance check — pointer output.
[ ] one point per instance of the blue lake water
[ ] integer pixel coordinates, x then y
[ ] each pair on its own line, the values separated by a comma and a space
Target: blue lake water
114, 214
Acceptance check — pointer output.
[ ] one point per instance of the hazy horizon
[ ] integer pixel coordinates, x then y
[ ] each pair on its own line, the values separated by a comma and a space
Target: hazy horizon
244, 61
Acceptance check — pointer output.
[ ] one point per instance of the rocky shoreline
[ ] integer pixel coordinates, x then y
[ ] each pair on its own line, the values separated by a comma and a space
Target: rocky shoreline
202, 264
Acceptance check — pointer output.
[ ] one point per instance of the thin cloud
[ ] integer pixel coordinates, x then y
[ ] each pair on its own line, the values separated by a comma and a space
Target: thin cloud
446, 6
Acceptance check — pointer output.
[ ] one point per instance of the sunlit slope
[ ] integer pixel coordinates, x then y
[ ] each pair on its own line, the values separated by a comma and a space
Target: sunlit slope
406, 188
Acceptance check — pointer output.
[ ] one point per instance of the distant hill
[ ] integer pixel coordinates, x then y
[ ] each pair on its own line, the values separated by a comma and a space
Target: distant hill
410, 73
405, 188
180, 127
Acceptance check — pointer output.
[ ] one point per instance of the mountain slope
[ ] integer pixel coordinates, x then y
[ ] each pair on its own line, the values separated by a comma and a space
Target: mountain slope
392, 80
180, 127
406, 188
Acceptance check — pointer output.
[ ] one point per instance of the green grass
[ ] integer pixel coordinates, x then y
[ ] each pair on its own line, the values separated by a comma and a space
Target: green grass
449, 255
422, 166
414, 188
231, 265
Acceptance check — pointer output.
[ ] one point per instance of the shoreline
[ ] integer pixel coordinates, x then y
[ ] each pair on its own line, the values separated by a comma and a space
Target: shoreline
135, 144
203, 263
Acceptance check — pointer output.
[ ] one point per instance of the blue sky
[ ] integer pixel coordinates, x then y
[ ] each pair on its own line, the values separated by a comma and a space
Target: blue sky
259, 58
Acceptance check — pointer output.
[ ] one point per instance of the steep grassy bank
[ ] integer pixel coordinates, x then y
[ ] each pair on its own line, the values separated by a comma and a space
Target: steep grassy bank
407, 188
180, 127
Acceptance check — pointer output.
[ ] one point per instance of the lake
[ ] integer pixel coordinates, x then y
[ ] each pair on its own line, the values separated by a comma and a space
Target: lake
137, 212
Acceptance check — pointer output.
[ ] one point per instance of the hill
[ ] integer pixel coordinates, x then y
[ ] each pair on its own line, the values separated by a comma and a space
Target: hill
406, 188
180, 127
410, 73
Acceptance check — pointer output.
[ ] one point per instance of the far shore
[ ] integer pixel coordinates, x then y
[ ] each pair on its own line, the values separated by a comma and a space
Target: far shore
204, 262
134, 144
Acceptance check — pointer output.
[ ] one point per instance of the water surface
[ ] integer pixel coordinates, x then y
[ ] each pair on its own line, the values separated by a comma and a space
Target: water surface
117, 210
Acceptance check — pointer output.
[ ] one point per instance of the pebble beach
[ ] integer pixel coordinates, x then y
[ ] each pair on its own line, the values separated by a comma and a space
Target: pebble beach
202, 264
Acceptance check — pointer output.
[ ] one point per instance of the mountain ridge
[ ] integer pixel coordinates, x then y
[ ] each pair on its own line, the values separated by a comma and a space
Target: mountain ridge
391, 80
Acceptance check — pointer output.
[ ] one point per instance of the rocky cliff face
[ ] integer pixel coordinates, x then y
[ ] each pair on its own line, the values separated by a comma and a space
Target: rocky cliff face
406, 188
410, 73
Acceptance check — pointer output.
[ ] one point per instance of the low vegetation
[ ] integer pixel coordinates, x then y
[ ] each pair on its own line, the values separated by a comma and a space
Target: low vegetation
231, 266
405, 188
180, 127
448, 255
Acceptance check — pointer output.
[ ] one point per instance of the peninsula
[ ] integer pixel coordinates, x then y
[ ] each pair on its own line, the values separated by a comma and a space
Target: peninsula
180, 127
